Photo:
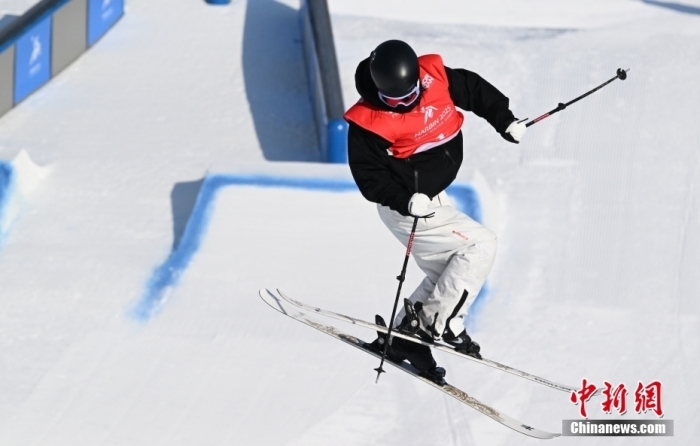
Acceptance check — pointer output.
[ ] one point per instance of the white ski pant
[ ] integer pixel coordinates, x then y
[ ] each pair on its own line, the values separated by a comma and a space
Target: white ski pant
456, 254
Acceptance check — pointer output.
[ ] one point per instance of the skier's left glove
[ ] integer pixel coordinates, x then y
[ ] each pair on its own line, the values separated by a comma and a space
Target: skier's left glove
420, 205
515, 131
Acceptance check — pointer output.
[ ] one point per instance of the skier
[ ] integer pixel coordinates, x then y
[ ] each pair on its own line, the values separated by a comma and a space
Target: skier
404, 150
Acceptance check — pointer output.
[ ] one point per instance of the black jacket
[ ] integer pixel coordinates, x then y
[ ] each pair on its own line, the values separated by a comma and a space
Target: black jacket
390, 181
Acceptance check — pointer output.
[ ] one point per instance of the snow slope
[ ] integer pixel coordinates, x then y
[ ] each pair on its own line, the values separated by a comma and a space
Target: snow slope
598, 221
16, 7
503, 13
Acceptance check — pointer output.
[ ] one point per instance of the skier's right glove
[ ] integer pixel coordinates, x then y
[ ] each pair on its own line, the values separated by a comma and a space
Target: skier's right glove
420, 205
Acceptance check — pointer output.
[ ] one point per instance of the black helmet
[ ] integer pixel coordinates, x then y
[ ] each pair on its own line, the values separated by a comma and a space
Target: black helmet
394, 68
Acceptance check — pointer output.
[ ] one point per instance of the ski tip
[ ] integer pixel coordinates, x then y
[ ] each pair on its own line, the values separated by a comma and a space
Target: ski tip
264, 292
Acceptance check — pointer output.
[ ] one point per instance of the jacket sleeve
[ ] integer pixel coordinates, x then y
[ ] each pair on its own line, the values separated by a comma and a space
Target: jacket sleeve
369, 163
471, 92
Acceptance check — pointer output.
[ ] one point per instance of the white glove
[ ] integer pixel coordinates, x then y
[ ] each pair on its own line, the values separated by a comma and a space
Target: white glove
420, 205
516, 130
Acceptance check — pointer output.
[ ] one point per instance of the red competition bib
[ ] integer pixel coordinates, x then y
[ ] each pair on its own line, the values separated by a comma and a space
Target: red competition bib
434, 121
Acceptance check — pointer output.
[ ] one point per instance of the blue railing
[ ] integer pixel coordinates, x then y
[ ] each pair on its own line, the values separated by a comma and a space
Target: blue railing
324, 80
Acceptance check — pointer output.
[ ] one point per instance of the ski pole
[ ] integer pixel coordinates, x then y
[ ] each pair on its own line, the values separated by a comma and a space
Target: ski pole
400, 278
621, 74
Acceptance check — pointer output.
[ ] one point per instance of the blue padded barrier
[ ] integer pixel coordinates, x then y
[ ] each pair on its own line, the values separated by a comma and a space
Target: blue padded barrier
48, 37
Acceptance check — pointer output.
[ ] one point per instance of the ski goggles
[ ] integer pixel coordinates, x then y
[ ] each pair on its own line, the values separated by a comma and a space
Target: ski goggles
408, 99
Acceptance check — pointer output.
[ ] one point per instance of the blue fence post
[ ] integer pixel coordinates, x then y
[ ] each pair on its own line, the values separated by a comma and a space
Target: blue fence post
218, 2
337, 141
101, 16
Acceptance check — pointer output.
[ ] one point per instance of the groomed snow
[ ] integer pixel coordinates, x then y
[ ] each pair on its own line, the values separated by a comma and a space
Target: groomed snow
597, 212
16, 7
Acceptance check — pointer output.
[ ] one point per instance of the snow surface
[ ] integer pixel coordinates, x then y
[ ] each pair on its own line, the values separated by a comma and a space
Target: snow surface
597, 212
16, 7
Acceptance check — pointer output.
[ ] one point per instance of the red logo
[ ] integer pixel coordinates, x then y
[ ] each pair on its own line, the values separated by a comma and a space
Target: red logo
460, 235
645, 398
583, 395
616, 398
648, 398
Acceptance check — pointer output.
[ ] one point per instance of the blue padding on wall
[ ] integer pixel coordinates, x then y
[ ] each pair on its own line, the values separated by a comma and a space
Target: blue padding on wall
166, 276
37, 13
102, 14
31, 36
33, 59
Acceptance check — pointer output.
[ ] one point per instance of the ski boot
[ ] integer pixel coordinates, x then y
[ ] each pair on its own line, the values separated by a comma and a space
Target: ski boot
462, 343
420, 356
377, 346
